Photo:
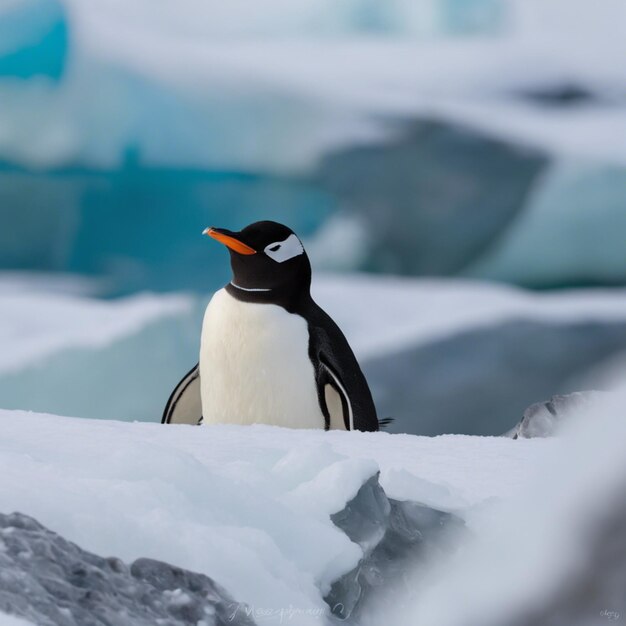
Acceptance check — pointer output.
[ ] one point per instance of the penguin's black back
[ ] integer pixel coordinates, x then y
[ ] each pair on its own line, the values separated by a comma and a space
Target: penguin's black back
329, 347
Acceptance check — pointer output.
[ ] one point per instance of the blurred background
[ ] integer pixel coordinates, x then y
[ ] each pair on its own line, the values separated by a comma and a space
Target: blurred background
456, 169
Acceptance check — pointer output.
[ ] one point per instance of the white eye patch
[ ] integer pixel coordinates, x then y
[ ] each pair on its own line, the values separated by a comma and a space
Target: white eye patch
282, 251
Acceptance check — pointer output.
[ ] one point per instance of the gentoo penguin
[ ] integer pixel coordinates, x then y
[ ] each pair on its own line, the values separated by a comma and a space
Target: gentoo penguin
269, 354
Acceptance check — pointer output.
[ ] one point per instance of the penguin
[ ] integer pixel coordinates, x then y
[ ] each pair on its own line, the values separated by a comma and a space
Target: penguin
268, 353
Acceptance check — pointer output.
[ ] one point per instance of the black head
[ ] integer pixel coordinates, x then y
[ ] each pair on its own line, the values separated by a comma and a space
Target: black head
266, 257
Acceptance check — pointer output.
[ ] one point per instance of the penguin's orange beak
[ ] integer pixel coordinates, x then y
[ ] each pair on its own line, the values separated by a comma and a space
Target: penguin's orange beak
229, 241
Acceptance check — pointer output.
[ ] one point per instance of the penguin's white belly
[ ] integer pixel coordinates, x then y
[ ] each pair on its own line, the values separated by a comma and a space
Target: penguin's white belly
255, 366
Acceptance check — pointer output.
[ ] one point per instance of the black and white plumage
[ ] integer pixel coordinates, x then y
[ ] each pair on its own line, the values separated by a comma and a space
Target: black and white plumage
269, 354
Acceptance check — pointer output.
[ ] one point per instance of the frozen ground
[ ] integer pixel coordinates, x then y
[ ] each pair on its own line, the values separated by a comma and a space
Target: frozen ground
248, 506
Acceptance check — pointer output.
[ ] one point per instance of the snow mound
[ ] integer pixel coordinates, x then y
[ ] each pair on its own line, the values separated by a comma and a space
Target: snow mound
249, 507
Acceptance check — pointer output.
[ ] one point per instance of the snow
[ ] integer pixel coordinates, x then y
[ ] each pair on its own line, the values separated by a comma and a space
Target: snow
248, 506
37, 321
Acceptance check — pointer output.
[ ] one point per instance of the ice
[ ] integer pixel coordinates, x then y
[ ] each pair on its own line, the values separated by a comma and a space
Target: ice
174, 109
304, 18
216, 500
535, 218
391, 534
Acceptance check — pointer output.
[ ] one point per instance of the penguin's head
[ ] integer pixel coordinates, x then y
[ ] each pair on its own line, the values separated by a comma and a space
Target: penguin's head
265, 256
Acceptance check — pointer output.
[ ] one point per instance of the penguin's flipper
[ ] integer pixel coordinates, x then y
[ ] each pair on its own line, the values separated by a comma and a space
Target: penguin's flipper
184, 405
334, 382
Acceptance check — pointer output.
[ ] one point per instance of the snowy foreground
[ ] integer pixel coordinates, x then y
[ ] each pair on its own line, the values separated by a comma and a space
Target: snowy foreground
250, 506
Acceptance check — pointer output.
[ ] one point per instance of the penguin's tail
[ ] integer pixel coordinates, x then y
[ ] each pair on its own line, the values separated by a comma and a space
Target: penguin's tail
385, 421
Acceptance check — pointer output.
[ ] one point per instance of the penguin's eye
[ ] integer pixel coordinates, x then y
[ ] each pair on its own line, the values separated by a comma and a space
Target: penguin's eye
281, 251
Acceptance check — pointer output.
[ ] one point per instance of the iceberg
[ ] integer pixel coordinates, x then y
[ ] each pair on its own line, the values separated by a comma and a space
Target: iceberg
140, 228
151, 122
